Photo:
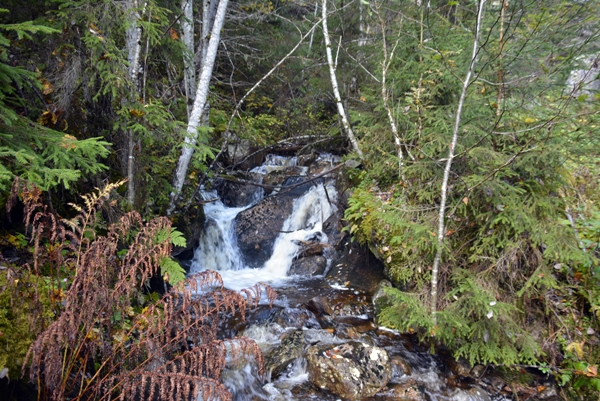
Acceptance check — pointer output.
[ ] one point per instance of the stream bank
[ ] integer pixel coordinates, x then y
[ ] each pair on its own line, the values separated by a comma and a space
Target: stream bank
281, 224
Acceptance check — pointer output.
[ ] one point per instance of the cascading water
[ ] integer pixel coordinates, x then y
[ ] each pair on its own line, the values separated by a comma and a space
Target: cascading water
218, 250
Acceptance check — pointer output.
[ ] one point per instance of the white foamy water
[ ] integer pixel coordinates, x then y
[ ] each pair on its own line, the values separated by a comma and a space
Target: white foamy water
218, 248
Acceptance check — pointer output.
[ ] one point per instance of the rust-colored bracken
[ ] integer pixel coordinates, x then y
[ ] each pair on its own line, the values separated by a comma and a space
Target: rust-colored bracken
108, 340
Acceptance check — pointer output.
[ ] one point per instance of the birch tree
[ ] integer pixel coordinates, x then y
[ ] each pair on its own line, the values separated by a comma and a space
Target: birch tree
388, 57
441, 234
133, 36
334, 84
189, 67
199, 105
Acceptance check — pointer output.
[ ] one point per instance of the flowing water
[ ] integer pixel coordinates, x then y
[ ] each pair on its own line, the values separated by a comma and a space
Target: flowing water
218, 250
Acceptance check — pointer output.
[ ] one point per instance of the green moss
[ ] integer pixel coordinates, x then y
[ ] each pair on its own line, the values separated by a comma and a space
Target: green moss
25, 309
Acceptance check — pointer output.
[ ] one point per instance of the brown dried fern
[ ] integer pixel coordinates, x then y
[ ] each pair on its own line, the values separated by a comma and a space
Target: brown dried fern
108, 341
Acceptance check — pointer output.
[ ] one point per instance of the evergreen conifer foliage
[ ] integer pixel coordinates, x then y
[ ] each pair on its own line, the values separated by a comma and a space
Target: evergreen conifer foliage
504, 237
39, 154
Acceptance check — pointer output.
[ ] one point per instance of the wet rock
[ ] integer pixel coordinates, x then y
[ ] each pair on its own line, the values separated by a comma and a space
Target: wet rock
407, 391
359, 324
294, 317
333, 229
308, 266
353, 309
280, 174
257, 228
311, 248
478, 371
290, 349
380, 299
236, 191
352, 370
461, 367
347, 332
357, 268
319, 306
399, 366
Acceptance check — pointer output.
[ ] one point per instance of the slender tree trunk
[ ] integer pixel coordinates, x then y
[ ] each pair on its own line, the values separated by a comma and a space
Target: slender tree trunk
385, 65
363, 27
199, 105
312, 31
444, 190
187, 37
501, 69
134, 49
209, 11
334, 84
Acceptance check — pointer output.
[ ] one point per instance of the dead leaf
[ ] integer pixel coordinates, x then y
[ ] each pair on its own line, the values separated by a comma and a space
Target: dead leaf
136, 112
47, 87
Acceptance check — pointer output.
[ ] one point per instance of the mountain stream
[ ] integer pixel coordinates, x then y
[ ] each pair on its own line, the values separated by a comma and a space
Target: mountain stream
332, 306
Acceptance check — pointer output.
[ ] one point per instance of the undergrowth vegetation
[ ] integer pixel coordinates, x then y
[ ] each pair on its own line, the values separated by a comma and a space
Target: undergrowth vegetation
83, 322
518, 281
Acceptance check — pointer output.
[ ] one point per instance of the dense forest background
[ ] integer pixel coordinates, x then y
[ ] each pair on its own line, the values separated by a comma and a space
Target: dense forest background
475, 124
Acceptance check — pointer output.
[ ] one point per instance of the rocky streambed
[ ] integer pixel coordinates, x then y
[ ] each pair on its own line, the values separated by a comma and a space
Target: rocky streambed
281, 224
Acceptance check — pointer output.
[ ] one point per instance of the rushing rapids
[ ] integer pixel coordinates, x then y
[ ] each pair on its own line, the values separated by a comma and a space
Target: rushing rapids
320, 314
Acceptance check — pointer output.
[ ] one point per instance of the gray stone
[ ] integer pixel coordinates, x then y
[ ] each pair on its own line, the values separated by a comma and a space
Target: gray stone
380, 299
280, 174
353, 370
290, 349
584, 81
308, 266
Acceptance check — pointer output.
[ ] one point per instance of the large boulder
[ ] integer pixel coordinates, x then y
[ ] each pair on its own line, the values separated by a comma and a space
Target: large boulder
353, 370
257, 228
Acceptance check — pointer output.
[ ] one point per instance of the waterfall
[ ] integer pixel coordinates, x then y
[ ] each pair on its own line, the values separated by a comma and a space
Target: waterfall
218, 248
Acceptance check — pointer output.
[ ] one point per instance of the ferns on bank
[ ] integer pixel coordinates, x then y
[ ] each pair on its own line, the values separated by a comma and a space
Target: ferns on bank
107, 336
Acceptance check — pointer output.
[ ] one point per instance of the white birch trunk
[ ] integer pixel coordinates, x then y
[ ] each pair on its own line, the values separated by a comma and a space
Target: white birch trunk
133, 36
385, 65
334, 84
208, 17
441, 235
363, 27
199, 105
187, 37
